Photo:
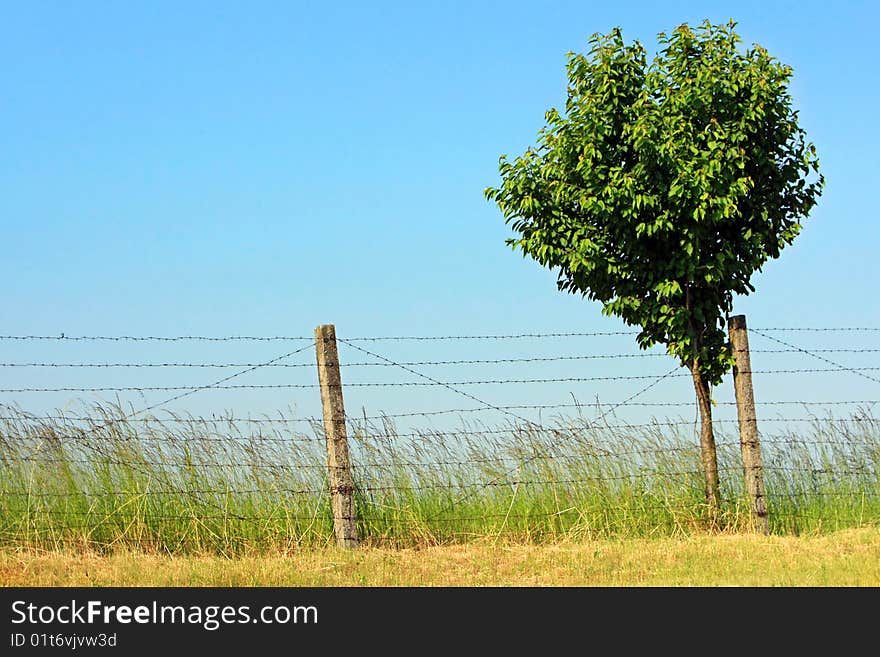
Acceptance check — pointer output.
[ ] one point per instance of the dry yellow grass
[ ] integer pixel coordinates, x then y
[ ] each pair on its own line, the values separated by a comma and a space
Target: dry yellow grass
846, 558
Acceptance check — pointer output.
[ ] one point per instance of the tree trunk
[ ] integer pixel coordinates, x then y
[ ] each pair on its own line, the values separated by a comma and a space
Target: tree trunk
708, 455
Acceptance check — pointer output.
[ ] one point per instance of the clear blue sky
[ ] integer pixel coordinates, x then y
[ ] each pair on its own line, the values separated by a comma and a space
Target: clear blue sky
260, 168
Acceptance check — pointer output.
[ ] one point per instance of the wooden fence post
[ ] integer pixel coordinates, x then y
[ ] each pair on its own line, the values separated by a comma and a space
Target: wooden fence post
748, 423
338, 461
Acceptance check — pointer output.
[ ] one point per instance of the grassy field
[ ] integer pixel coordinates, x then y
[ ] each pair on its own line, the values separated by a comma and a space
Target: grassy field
182, 485
844, 558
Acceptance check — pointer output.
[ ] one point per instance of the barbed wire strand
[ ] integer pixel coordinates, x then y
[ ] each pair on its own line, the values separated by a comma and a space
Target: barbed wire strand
598, 403
780, 496
313, 419
607, 521
590, 451
478, 361
152, 338
824, 329
202, 338
120, 338
464, 431
496, 361
402, 384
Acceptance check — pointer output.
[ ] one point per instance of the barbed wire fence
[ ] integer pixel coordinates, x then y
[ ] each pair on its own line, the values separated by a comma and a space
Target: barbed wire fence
587, 466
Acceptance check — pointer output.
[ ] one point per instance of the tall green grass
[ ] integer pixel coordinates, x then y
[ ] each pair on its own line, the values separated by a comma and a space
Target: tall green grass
182, 484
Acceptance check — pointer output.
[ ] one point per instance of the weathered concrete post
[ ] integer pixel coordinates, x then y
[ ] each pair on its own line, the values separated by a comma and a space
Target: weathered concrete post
748, 423
338, 461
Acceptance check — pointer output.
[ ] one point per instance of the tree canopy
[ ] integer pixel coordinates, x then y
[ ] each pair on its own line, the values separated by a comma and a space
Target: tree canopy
661, 188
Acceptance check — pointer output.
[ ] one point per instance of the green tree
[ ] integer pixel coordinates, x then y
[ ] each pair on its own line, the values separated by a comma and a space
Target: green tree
663, 187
